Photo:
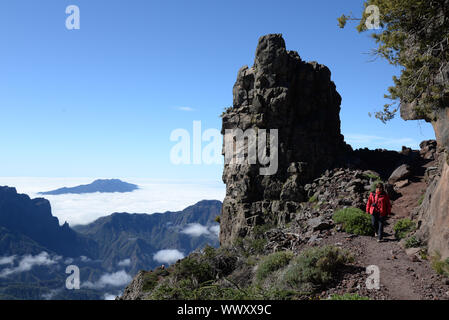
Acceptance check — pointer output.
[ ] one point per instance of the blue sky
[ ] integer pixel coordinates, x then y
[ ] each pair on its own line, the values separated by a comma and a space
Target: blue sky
102, 101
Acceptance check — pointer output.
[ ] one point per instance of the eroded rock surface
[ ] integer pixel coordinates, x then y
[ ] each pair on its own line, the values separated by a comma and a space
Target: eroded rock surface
434, 212
297, 98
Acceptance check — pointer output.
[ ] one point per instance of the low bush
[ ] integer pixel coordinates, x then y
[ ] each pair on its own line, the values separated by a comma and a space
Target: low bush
259, 230
403, 227
412, 242
421, 199
313, 198
192, 268
150, 280
186, 290
252, 245
440, 266
315, 267
355, 221
372, 176
273, 262
257, 246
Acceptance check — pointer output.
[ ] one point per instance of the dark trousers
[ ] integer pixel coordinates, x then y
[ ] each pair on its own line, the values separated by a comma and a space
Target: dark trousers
378, 223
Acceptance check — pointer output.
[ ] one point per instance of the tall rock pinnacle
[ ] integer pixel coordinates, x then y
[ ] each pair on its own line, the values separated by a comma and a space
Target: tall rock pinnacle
298, 99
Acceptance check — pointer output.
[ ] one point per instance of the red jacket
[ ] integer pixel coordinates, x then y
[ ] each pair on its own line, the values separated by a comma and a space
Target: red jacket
383, 204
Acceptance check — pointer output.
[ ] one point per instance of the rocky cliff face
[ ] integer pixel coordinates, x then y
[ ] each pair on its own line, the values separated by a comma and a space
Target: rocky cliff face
298, 99
433, 214
33, 219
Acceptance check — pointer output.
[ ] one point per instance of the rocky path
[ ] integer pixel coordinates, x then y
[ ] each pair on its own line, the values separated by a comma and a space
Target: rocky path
402, 276
393, 265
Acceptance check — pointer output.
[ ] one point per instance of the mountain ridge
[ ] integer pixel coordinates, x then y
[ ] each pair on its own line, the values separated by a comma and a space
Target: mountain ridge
99, 185
119, 242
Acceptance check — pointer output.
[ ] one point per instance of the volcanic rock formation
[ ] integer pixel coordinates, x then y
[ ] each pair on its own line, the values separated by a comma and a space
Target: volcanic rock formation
280, 92
433, 215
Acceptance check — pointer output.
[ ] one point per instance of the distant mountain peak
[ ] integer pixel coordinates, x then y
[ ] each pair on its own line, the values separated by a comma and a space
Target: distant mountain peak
99, 185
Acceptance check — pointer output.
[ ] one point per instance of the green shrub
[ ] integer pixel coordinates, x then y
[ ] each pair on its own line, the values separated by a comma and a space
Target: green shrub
421, 199
186, 290
209, 252
279, 294
347, 296
403, 227
355, 221
260, 230
183, 289
251, 245
150, 280
440, 266
273, 262
215, 292
313, 198
315, 267
193, 269
258, 245
372, 176
251, 261
412, 242
423, 254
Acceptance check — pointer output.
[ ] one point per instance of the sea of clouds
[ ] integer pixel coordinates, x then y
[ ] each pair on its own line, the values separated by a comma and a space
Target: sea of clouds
115, 281
153, 196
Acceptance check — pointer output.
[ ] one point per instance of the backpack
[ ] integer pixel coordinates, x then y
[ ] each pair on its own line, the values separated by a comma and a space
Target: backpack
375, 202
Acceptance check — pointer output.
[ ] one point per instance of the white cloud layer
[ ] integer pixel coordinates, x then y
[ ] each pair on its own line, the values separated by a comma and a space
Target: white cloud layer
7, 260
51, 294
196, 230
28, 262
124, 263
153, 196
116, 279
109, 296
168, 256
215, 230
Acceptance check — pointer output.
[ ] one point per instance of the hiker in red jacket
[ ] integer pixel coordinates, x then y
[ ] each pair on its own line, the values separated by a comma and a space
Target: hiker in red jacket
379, 207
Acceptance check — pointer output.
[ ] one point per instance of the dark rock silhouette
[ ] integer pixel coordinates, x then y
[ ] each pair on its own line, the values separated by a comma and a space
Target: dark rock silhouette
104, 186
299, 100
33, 219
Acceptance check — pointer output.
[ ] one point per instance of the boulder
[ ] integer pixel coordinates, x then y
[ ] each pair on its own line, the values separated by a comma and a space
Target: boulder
401, 173
428, 149
401, 184
412, 251
318, 224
